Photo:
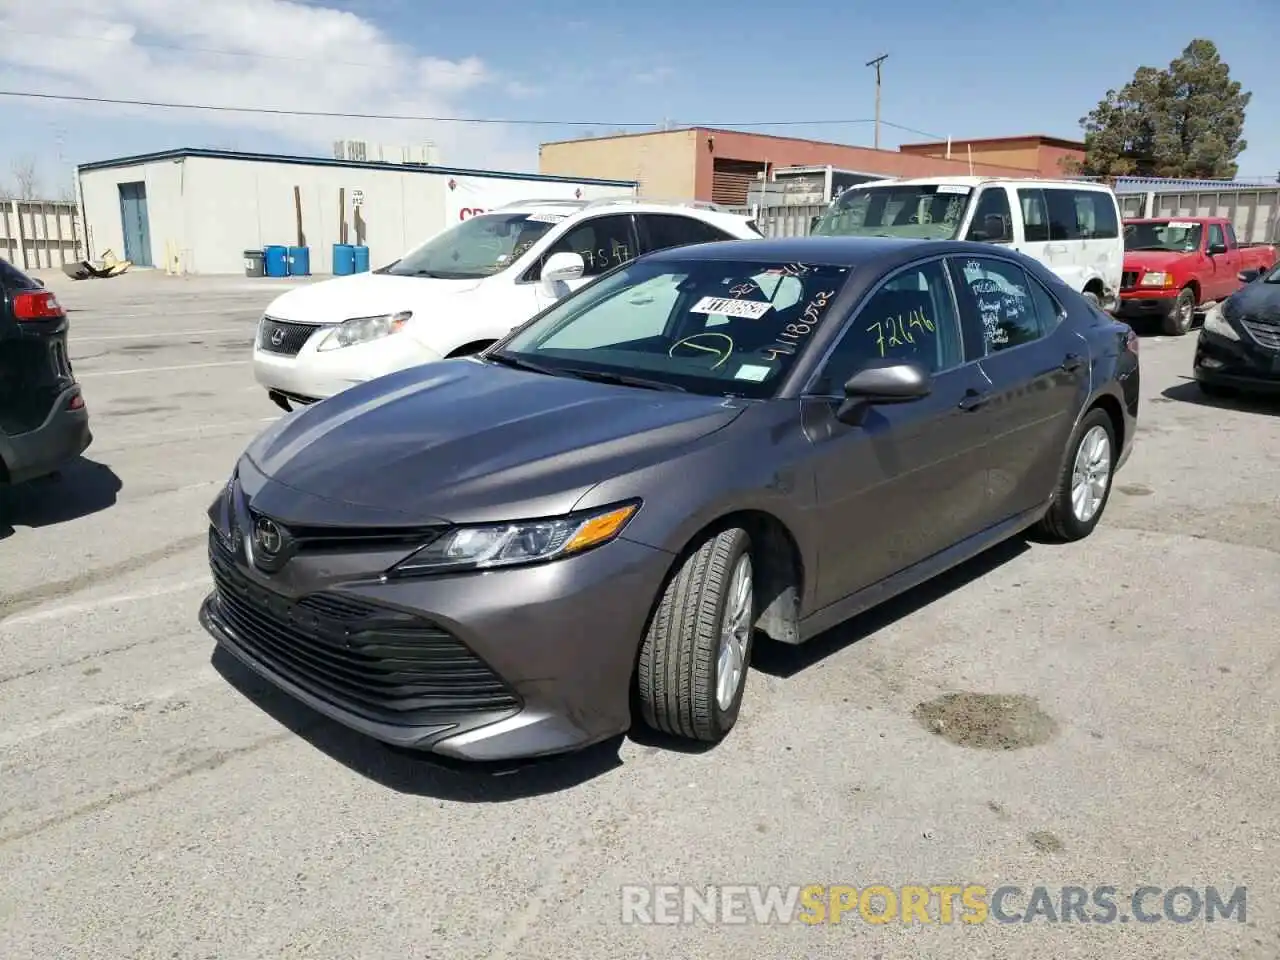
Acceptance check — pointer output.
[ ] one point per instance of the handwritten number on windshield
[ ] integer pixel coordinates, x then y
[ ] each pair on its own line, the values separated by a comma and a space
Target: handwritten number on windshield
787, 341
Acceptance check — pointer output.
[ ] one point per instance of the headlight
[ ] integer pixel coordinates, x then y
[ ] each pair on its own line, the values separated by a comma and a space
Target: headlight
364, 329
1157, 279
484, 546
1216, 323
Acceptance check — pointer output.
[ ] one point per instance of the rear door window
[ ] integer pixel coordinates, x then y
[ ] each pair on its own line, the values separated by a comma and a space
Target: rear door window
11, 278
661, 231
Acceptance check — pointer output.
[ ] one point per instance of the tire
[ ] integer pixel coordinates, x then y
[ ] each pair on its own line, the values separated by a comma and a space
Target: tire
1093, 299
679, 664
1180, 318
1061, 521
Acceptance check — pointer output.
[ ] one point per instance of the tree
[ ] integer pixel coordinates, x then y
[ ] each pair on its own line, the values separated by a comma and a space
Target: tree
1184, 121
26, 179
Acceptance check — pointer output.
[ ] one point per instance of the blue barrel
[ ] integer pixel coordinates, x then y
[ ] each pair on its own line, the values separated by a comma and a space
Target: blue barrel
344, 259
361, 259
277, 261
299, 261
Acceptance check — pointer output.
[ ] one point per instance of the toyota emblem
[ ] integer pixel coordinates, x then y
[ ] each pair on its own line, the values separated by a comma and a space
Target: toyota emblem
267, 538
277, 337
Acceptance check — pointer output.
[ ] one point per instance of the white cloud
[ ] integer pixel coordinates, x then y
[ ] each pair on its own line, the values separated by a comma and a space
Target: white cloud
277, 54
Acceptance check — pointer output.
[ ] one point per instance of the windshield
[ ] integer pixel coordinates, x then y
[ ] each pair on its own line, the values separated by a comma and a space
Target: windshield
716, 327
923, 212
1174, 236
478, 247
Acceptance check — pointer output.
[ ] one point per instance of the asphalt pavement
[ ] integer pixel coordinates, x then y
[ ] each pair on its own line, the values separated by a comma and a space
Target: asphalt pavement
1099, 713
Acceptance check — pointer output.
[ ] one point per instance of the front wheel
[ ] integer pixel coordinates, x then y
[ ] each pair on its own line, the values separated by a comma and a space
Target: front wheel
692, 669
1179, 320
1085, 483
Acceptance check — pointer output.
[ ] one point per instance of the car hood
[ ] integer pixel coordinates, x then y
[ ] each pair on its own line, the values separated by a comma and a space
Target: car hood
1153, 259
363, 295
466, 441
1255, 301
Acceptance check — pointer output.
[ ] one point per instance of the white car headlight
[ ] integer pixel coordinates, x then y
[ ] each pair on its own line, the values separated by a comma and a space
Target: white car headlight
363, 329
1157, 279
485, 546
1216, 323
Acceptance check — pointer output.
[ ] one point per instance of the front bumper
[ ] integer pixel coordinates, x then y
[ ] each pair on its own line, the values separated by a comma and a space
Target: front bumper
1140, 304
536, 660
62, 437
1239, 364
312, 374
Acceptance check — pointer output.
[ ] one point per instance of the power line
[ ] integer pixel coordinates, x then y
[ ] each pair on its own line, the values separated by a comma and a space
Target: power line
333, 114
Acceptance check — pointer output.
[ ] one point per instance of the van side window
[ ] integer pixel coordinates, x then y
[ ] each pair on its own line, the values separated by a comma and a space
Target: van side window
992, 219
1035, 215
1095, 215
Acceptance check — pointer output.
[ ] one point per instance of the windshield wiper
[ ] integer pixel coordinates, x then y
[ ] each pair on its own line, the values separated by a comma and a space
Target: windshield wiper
621, 379
507, 360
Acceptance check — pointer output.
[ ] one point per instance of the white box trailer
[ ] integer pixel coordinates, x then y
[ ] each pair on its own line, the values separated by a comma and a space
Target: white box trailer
1254, 210
198, 211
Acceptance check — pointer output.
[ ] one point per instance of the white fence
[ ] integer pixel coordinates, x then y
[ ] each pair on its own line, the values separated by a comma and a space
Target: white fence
36, 234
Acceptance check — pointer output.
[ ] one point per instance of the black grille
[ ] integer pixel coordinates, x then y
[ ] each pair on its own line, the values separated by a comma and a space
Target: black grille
283, 337
1266, 332
378, 663
1128, 279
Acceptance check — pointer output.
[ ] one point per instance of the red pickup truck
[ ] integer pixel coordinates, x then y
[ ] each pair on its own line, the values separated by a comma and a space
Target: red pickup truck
1176, 267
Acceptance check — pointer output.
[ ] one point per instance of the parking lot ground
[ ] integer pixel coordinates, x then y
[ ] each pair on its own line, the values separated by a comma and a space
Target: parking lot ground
157, 801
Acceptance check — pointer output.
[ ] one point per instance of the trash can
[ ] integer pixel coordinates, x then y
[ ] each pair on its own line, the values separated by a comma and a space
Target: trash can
361, 257
255, 263
299, 261
344, 262
276, 259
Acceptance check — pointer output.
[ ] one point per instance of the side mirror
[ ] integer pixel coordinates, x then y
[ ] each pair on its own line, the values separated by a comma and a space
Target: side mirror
813, 223
893, 381
1217, 248
1248, 276
561, 268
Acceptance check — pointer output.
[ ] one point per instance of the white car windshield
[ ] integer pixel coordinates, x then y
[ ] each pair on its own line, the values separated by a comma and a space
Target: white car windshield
915, 211
475, 248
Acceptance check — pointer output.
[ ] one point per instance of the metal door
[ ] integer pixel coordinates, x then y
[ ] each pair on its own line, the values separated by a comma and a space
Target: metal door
136, 227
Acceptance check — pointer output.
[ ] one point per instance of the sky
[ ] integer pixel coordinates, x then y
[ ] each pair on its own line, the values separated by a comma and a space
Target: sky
998, 68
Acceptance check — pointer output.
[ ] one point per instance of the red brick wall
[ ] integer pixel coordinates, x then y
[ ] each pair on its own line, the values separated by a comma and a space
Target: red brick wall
786, 152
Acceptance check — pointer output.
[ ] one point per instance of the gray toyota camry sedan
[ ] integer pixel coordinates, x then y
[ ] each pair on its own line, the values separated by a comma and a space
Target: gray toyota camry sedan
503, 555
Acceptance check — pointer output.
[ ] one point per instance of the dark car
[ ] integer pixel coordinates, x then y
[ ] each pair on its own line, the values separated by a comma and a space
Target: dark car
43, 420
493, 557
1239, 345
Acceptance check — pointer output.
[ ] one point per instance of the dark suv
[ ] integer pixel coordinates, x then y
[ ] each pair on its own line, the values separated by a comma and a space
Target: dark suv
43, 420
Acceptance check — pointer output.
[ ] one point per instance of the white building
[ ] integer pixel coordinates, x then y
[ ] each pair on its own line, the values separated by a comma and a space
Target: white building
198, 211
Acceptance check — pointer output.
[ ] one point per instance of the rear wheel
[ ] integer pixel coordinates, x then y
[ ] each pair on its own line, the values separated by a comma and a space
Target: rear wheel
693, 662
1179, 320
1093, 298
1085, 484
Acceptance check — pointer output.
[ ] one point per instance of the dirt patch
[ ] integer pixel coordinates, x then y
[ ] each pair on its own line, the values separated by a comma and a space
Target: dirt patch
1046, 842
1134, 490
987, 721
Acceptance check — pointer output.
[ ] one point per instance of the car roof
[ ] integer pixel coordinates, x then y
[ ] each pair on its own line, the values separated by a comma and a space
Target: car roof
971, 181
831, 251
573, 208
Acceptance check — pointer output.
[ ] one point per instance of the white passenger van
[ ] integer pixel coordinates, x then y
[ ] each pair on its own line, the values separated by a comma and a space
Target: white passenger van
1070, 226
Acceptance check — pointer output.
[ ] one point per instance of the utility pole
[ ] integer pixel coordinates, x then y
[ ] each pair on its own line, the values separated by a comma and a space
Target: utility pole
876, 63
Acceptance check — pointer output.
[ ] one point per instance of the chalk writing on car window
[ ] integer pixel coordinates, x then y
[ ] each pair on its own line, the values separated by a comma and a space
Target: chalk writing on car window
793, 333
895, 331
790, 270
722, 351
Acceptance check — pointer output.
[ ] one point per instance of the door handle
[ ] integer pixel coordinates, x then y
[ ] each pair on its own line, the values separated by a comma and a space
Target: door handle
1072, 362
973, 399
